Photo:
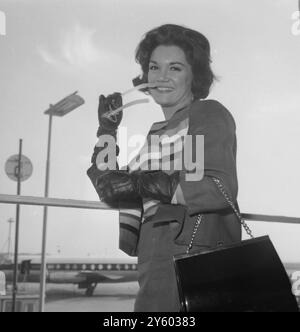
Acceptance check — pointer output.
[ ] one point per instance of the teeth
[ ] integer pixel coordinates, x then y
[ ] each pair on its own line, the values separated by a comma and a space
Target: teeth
164, 89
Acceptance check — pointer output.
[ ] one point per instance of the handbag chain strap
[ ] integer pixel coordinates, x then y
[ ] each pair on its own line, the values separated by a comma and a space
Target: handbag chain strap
197, 224
229, 201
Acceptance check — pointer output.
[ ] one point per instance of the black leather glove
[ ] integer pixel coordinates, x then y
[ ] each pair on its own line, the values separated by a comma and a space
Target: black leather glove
107, 126
157, 185
118, 186
106, 104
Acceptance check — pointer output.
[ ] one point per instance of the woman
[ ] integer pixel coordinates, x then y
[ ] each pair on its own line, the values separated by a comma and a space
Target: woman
177, 61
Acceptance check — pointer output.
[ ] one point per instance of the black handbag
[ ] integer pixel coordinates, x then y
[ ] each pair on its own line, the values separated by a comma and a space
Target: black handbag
244, 277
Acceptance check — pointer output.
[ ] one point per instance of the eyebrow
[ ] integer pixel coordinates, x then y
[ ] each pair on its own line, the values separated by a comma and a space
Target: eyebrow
171, 63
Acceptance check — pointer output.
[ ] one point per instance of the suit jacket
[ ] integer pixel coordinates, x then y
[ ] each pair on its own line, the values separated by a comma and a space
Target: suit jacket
219, 225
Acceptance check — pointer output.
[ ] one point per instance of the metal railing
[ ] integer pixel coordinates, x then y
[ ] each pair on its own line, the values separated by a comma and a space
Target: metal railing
58, 202
73, 203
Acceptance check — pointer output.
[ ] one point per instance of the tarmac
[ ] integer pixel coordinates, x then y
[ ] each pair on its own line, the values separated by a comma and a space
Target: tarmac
117, 297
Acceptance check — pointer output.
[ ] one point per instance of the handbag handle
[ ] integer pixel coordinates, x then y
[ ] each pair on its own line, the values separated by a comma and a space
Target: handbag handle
229, 201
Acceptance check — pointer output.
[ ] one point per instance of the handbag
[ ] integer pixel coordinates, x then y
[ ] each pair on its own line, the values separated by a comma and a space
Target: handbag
244, 277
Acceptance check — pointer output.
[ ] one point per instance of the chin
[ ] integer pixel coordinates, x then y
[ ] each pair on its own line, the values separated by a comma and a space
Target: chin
162, 101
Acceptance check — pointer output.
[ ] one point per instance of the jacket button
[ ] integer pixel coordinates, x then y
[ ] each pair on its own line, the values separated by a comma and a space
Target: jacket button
220, 243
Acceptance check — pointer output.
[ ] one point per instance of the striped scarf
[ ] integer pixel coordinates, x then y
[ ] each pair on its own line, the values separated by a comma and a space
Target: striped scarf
162, 150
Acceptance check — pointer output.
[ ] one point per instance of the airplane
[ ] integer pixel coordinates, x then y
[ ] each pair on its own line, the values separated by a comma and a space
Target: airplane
86, 272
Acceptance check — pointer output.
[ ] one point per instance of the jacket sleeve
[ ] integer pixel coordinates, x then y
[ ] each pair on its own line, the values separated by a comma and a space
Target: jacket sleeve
94, 172
216, 124
130, 213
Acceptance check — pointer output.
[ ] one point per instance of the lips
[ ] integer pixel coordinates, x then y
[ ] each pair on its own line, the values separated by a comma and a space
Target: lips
164, 89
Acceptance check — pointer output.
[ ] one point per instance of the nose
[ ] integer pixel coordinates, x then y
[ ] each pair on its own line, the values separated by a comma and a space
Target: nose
163, 76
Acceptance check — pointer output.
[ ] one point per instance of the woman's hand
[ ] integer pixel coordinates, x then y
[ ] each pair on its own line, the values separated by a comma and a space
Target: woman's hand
157, 185
106, 104
118, 186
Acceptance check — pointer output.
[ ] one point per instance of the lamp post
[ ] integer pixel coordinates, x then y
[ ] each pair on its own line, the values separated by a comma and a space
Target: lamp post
10, 221
60, 109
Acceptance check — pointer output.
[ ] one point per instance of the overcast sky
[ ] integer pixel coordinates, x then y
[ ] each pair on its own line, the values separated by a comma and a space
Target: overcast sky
53, 48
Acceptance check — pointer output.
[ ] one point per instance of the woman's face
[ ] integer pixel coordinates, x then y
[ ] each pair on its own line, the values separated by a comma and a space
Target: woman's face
169, 69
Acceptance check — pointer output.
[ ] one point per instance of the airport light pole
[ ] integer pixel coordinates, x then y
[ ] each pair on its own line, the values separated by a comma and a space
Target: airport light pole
10, 221
60, 109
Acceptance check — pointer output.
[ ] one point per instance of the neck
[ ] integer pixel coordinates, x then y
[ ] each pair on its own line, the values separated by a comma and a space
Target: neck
170, 110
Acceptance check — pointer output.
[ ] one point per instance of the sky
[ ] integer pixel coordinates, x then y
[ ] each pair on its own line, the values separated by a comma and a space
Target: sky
53, 48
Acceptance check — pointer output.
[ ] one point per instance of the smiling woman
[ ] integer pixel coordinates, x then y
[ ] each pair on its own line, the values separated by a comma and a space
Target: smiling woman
159, 207
194, 51
171, 72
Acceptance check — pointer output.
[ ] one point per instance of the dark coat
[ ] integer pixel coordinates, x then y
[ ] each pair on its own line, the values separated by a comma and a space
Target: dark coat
219, 225
168, 232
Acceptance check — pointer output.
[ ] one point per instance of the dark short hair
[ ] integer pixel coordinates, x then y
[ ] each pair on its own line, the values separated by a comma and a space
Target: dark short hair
195, 46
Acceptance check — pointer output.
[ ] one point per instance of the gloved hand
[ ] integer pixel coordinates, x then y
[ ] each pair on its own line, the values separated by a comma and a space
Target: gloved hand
157, 185
118, 186
115, 186
106, 104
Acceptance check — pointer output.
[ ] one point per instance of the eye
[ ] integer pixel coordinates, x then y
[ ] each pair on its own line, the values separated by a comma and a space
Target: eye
153, 67
175, 68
